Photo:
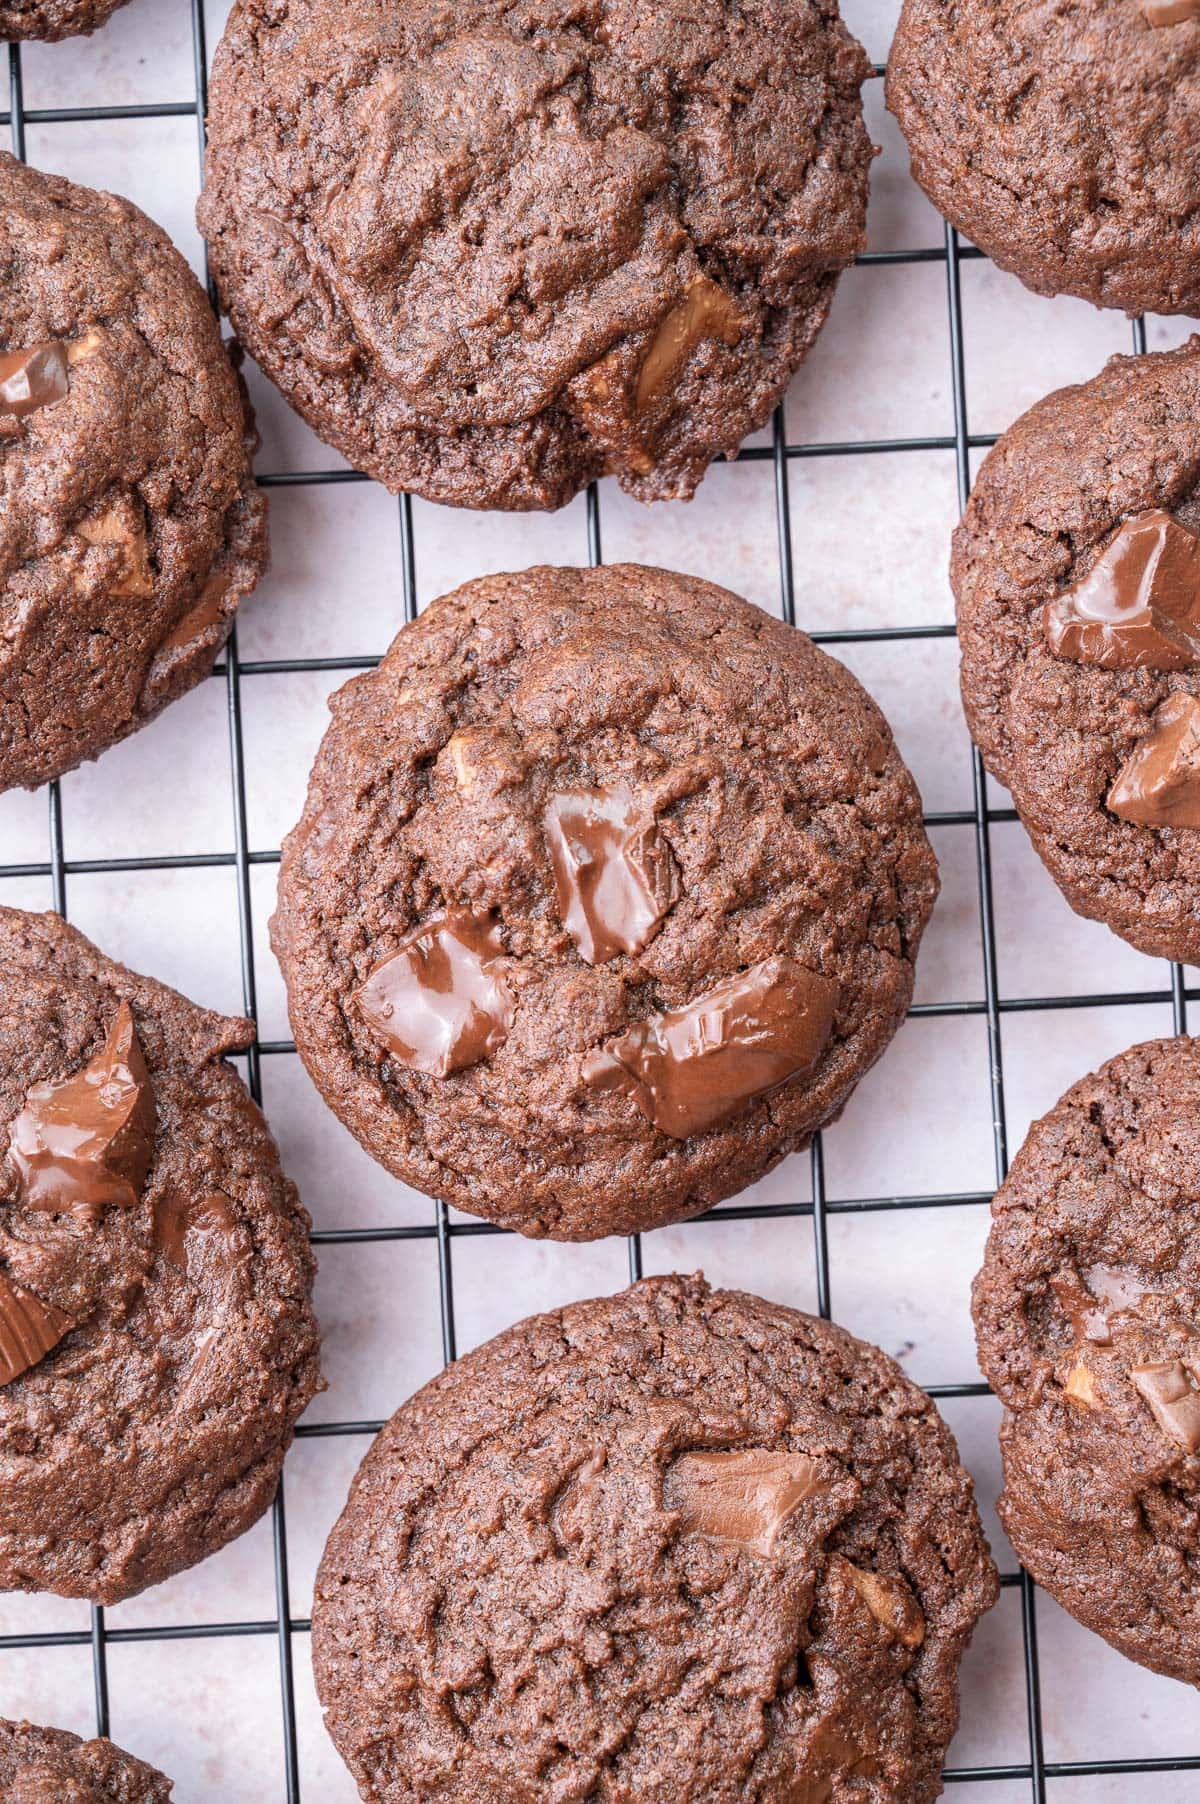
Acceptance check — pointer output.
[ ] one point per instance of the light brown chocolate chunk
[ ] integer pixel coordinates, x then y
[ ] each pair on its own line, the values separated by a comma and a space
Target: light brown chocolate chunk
1159, 783
1080, 1388
890, 1602
33, 378
1139, 604
85, 1143
1169, 12
746, 1496
1173, 1398
29, 1329
705, 312
439, 1003
693, 1068
613, 871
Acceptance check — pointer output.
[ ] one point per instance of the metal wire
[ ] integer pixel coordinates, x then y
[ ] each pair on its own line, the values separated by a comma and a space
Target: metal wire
232, 671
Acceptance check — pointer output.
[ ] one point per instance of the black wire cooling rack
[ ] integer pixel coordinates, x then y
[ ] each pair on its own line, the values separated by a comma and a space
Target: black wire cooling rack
232, 670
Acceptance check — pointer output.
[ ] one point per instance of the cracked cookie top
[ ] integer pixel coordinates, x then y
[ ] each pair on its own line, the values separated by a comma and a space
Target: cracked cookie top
1087, 1312
493, 250
1063, 139
131, 527
678, 1545
607, 891
157, 1340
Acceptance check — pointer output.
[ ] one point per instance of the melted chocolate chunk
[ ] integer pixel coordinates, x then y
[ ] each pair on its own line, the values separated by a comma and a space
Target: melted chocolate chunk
85, 1144
613, 871
1170, 12
33, 378
1174, 1401
693, 1068
439, 1003
705, 311
1159, 783
746, 1496
1139, 604
175, 1217
29, 1329
1095, 1302
890, 1602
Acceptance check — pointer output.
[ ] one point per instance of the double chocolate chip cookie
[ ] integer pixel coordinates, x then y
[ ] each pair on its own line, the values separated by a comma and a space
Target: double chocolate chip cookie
131, 526
1088, 1316
1077, 573
1063, 140
677, 1545
607, 891
49, 1766
492, 251
157, 1341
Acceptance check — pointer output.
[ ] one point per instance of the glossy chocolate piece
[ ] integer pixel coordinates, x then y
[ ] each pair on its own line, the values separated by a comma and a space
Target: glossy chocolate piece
1138, 607
693, 1068
175, 1217
746, 1496
440, 1003
33, 378
29, 1329
85, 1144
1173, 1399
614, 873
1159, 783
1170, 12
890, 1602
706, 311
1096, 1301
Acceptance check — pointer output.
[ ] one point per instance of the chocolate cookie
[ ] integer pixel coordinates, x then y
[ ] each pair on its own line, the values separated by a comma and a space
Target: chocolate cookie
1077, 573
607, 892
1063, 140
1088, 1316
131, 526
53, 19
157, 1341
49, 1766
492, 251
677, 1545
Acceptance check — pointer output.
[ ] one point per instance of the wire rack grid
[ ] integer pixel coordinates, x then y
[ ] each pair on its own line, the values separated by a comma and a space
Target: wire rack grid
232, 670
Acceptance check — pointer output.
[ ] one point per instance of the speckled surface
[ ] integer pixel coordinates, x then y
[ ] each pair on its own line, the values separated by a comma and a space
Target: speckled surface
871, 538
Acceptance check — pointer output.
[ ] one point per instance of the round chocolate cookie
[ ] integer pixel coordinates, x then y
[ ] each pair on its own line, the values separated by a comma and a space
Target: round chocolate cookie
50, 1766
1077, 573
131, 526
157, 1341
606, 893
1064, 140
53, 19
677, 1545
1087, 1311
491, 251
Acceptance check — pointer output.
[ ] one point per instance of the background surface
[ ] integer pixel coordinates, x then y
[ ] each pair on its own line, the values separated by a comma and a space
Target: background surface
870, 537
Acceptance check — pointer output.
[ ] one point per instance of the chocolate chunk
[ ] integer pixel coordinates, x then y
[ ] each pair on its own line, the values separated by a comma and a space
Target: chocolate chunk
1097, 1300
613, 871
890, 1602
1080, 1388
1170, 12
1159, 783
29, 1329
748, 1496
693, 1068
33, 378
175, 1216
439, 1003
85, 1144
1173, 1399
705, 311
1139, 604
